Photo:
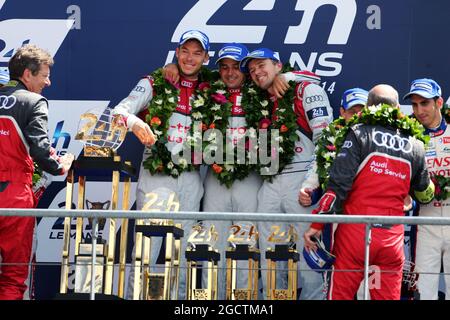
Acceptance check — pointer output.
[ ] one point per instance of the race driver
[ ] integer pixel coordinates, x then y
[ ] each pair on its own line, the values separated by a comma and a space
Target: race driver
241, 196
371, 176
191, 53
23, 139
433, 241
313, 112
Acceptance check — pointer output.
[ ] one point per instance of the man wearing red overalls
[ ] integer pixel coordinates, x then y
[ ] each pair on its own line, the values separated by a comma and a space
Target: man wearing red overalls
23, 139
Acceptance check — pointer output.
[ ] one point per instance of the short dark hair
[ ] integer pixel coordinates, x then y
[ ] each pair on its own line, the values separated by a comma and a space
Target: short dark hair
28, 57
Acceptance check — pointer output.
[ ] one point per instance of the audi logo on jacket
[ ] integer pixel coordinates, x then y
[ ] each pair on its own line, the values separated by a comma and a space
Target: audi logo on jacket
23, 138
374, 170
372, 175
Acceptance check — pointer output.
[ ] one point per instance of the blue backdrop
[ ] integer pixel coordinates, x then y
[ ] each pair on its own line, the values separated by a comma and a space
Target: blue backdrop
101, 49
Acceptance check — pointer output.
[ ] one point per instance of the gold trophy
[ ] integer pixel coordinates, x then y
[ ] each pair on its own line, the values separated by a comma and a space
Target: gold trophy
201, 244
243, 240
282, 252
102, 134
157, 285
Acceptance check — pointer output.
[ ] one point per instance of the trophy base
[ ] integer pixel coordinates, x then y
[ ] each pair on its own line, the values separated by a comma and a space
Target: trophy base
94, 151
85, 249
155, 286
101, 166
201, 294
159, 230
85, 296
281, 294
83, 273
242, 294
83, 268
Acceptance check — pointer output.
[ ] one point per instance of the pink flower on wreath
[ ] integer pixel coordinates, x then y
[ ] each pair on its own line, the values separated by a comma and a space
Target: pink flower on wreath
264, 123
219, 98
437, 189
331, 147
204, 86
274, 154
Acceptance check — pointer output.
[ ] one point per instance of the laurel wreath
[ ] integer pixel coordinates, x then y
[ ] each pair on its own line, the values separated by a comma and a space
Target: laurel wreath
160, 110
216, 114
259, 114
442, 187
333, 136
283, 119
445, 110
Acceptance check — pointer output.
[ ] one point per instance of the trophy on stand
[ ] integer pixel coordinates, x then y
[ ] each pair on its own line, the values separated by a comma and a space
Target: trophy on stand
102, 134
243, 240
201, 243
150, 285
282, 252
84, 257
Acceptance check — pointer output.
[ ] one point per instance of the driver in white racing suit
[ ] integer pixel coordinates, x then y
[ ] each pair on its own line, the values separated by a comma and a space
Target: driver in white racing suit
433, 241
191, 54
314, 113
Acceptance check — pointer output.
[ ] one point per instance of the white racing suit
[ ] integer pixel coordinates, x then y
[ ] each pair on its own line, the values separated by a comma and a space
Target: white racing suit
187, 187
314, 113
433, 241
240, 197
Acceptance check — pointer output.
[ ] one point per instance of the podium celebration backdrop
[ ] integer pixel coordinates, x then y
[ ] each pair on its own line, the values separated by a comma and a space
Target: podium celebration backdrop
102, 48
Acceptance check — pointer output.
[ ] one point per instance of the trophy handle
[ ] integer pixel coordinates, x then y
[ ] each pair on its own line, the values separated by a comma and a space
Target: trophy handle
145, 271
255, 280
176, 266
112, 232
168, 265
80, 205
124, 237
137, 263
292, 279
66, 239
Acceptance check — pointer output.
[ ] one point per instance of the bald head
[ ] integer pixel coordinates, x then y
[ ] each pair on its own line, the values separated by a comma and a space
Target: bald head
383, 93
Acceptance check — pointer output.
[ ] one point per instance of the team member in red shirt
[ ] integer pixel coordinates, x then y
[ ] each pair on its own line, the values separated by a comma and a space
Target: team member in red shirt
23, 139
372, 175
